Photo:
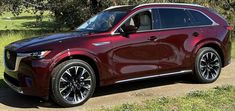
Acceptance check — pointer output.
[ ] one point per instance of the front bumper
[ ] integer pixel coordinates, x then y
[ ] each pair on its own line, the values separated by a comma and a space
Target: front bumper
29, 77
12, 86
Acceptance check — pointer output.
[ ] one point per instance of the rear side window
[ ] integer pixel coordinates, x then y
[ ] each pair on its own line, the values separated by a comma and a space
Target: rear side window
199, 18
171, 18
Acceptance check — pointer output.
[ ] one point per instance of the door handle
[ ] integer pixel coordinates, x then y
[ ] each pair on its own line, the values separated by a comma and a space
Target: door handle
195, 34
153, 38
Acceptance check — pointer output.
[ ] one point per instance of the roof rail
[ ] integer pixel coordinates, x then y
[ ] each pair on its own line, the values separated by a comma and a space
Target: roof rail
197, 5
118, 6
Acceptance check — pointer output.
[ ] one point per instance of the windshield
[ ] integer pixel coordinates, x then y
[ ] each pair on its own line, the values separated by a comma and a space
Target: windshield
102, 22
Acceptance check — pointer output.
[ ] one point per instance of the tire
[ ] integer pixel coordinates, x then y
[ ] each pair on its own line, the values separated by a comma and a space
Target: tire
73, 83
207, 65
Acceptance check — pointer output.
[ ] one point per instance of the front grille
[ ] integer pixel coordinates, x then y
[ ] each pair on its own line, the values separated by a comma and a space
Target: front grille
10, 59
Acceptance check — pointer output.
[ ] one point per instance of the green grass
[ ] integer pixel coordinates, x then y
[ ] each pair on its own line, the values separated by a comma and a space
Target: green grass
25, 21
217, 99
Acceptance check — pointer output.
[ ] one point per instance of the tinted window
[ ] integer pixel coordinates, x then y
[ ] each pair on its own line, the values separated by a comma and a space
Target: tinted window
199, 18
156, 20
171, 18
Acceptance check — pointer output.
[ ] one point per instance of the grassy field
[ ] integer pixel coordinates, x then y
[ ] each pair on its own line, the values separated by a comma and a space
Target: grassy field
25, 21
218, 99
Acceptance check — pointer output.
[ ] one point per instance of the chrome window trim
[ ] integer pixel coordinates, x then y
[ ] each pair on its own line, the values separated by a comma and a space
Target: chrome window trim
145, 9
153, 76
177, 28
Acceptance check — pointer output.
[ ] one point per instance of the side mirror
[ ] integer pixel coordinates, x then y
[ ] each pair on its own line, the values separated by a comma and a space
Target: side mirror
127, 30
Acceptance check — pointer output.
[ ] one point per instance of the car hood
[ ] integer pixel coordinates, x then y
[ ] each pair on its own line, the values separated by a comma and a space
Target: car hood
44, 39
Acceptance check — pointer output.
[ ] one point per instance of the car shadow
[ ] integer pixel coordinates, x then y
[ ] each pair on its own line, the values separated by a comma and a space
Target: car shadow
145, 83
12, 99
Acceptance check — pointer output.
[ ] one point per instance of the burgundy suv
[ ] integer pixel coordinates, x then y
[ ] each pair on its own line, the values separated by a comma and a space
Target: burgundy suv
120, 44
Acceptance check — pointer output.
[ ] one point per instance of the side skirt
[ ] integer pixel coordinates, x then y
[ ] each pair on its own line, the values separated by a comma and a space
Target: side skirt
153, 76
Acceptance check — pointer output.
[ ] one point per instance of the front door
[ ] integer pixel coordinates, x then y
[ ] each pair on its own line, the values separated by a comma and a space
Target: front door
136, 55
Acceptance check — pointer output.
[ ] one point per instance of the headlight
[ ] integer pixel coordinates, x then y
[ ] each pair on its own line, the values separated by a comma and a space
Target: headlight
39, 54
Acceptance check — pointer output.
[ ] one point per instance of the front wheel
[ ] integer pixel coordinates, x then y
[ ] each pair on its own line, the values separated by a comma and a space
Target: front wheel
73, 83
207, 65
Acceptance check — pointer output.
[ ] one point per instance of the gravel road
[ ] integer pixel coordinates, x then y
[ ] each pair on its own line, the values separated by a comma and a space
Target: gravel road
172, 86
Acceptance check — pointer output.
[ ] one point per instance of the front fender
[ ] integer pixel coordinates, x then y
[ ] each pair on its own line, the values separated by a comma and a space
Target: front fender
72, 52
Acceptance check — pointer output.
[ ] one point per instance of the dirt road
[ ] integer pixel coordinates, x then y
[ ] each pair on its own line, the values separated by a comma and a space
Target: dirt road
130, 92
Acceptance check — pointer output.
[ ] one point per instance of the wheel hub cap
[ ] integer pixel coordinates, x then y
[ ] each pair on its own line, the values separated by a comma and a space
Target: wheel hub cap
75, 83
209, 66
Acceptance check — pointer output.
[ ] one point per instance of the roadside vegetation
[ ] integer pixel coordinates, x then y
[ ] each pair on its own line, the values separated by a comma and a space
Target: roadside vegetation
217, 99
71, 13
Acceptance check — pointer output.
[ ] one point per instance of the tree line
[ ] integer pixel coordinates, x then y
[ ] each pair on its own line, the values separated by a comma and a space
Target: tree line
71, 13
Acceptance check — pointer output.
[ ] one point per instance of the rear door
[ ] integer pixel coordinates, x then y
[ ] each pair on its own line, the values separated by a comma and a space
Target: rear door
175, 37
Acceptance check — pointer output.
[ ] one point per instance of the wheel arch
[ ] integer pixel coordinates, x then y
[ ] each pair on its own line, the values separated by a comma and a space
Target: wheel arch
213, 44
82, 55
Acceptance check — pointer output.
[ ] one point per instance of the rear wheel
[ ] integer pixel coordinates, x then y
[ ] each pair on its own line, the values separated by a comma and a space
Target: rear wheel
207, 65
73, 83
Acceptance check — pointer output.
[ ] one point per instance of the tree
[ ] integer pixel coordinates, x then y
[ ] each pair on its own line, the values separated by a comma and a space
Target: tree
71, 13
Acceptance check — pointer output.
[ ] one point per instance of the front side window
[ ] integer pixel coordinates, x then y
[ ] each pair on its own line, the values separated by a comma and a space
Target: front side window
103, 21
142, 21
199, 18
172, 18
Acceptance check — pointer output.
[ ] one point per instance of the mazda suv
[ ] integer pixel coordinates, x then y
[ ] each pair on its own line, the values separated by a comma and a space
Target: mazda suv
120, 44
